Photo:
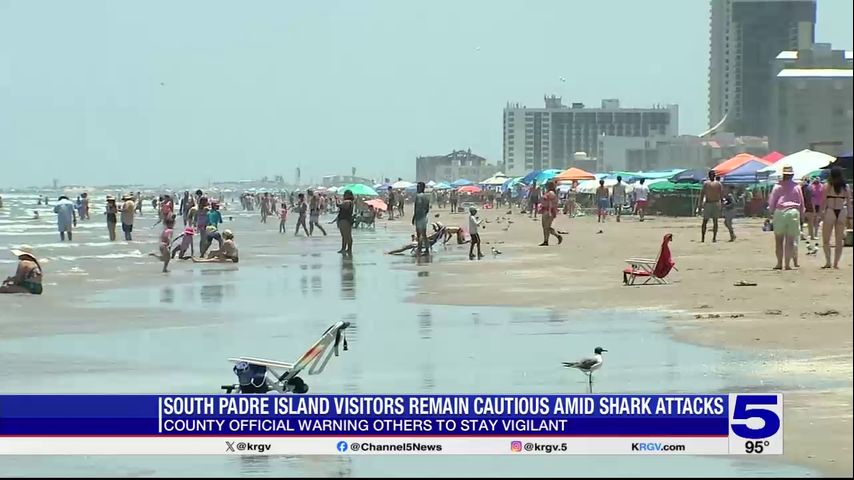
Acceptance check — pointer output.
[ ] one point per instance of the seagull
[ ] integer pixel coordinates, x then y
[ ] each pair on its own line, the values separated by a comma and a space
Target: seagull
562, 79
496, 251
588, 365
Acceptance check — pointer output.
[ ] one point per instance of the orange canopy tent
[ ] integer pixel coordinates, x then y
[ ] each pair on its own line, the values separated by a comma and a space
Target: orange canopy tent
727, 166
574, 174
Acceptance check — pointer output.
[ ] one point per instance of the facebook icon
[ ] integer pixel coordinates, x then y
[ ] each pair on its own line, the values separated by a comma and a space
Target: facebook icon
342, 446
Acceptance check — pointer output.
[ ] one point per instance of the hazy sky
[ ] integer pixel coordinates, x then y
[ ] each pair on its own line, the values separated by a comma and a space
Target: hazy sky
259, 87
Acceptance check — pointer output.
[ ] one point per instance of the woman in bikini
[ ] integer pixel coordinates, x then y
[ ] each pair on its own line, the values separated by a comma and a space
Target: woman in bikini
836, 211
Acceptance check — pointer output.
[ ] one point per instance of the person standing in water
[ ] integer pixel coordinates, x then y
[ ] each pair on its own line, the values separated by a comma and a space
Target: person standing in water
128, 209
138, 203
202, 222
186, 203
166, 242
66, 217
345, 223
112, 217
837, 210
85, 212
419, 219
302, 209
314, 213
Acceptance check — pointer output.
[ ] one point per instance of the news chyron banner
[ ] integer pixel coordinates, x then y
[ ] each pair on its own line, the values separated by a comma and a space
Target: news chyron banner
734, 424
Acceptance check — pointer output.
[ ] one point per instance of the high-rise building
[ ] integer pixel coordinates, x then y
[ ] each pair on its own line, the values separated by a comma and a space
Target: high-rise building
745, 36
811, 100
550, 137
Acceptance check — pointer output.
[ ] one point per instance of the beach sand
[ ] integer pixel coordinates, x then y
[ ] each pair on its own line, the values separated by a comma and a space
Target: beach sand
800, 321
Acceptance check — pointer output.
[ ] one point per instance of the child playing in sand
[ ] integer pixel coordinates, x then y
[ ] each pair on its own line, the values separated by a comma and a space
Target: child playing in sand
186, 243
474, 222
283, 216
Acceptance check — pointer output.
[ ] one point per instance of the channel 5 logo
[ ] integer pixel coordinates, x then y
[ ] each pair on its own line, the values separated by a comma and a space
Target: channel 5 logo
515, 446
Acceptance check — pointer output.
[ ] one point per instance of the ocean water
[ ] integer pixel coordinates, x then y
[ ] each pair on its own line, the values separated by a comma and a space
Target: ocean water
282, 296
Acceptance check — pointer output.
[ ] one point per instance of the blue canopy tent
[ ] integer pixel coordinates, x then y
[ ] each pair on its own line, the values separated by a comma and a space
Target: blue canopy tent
694, 175
461, 182
746, 174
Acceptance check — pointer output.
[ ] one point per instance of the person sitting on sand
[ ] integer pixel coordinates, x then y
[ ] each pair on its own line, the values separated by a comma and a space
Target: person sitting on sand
186, 244
28, 276
226, 253
459, 232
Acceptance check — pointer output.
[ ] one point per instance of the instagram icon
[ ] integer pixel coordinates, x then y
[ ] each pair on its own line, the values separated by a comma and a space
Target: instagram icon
516, 446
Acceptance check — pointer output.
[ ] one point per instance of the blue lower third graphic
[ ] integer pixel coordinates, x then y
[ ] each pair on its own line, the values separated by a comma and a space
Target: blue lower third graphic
342, 446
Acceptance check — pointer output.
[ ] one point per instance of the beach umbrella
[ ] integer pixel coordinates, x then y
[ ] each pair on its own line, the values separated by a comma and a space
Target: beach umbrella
401, 184
546, 175
461, 182
495, 180
802, 163
846, 163
574, 174
359, 189
377, 203
431, 183
530, 176
469, 189
693, 175
442, 186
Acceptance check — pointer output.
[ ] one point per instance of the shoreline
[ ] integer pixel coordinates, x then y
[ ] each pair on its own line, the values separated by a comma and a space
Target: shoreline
723, 316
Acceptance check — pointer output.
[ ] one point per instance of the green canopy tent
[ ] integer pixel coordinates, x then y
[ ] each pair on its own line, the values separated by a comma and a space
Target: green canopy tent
671, 197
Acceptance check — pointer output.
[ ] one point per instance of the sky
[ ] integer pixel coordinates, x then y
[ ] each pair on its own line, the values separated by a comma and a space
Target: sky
177, 92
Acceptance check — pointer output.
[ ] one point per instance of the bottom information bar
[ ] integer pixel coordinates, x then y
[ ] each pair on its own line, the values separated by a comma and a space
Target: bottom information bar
363, 446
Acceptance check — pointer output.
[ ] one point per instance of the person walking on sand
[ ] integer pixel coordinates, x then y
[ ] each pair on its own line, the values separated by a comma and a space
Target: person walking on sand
454, 199
786, 206
390, 203
837, 211
533, 200
618, 197
112, 217
66, 217
283, 217
314, 213
127, 213
302, 209
641, 194
729, 212
419, 219
809, 208
549, 213
711, 196
345, 223
474, 236
602, 202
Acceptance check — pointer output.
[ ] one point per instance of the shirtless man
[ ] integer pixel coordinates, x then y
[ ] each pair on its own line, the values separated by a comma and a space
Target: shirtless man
710, 199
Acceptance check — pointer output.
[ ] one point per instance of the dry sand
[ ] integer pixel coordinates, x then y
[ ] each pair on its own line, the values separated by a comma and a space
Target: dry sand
787, 316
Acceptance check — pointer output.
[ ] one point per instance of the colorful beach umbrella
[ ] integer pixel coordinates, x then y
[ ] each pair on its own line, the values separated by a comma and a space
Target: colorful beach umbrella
802, 163
377, 203
469, 189
574, 174
546, 175
461, 182
359, 189
442, 186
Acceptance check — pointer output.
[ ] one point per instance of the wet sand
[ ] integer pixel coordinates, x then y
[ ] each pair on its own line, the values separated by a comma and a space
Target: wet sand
799, 322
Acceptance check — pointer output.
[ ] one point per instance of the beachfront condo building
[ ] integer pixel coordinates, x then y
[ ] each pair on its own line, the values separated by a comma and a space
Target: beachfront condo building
453, 166
745, 37
555, 135
811, 100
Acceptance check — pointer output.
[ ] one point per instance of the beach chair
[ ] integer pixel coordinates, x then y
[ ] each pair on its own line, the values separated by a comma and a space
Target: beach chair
651, 270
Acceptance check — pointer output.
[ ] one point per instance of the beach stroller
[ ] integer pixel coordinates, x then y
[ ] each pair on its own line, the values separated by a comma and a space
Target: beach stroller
650, 270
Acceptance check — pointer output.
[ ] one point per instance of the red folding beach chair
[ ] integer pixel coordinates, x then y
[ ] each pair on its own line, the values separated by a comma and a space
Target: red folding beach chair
655, 271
